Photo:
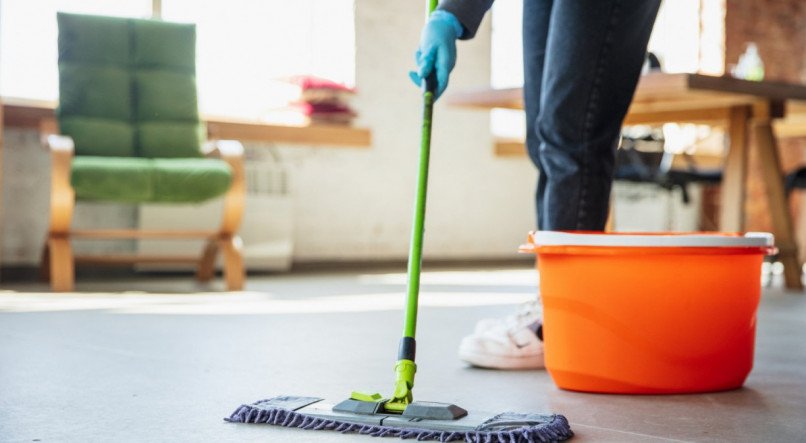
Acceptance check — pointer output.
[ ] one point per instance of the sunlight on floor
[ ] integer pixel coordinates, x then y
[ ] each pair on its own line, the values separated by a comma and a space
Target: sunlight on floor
240, 303
367, 295
508, 277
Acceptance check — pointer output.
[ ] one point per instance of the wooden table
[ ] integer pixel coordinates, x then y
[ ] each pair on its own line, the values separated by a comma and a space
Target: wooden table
693, 98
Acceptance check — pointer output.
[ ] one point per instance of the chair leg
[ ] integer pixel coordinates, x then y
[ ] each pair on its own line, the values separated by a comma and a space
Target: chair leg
62, 270
234, 274
206, 270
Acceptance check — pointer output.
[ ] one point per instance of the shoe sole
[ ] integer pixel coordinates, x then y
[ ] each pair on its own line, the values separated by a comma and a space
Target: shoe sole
498, 362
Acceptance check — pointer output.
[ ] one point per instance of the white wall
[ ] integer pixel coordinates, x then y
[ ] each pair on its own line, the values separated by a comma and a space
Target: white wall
353, 203
26, 194
358, 203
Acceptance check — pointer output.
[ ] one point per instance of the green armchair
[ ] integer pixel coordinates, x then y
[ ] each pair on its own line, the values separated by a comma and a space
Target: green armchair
129, 131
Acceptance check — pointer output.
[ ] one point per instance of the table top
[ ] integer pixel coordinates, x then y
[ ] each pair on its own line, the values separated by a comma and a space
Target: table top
659, 91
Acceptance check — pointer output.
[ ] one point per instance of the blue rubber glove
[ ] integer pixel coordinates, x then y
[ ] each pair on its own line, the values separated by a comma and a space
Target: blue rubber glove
437, 51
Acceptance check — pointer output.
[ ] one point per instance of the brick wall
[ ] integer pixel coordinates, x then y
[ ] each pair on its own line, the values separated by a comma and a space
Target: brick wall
778, 27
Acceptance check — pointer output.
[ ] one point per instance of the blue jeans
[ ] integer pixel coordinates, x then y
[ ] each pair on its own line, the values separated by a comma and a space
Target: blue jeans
582, 60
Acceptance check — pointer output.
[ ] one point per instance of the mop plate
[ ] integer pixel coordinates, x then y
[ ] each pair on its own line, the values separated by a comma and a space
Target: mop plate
424, 421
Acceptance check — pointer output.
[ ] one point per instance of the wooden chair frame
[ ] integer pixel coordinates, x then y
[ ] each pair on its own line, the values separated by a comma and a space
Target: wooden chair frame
58, 260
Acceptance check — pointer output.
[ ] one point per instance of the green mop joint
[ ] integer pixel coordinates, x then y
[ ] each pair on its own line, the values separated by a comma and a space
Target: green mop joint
402, 397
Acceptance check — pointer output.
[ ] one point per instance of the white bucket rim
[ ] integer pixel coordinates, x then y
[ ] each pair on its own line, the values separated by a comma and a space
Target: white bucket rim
685, 240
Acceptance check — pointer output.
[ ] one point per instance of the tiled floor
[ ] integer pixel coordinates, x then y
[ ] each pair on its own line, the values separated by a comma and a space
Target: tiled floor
168, 364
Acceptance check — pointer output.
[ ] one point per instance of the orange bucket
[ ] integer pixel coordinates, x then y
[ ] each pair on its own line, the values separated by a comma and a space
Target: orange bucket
649, 313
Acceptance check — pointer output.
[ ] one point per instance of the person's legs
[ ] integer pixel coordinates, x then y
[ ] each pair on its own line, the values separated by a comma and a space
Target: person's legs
513, 342
594, 53
536, 15
581, 64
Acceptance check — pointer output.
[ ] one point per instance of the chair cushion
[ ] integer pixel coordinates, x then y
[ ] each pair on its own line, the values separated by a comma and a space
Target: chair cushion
186, 180
167, 45
168, 114
170, 140
99, 136
95, 106
93, 39
142, 180
165, 96
164, 87
128, 72
120, 179
85, 91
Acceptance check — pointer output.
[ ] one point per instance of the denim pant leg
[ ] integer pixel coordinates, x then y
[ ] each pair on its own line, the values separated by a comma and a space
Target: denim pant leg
536, 14
593, 58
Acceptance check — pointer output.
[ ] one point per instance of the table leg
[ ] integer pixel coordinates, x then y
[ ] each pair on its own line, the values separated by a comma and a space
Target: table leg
779, 208
732, 195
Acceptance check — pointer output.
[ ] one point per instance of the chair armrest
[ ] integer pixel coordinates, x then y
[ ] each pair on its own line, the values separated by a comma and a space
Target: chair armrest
61, 144
62, 196
53, 141
232, 152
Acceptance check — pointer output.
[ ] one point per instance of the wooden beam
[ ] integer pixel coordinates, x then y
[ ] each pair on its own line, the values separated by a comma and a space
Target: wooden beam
333, 135
704, 116
735, 176
768, 89
509, 148
684, 98
778, 204
790, 127
507, 98
516, 148
20, 113
692, 103
116, 260
134, 233
656, 85
61, 263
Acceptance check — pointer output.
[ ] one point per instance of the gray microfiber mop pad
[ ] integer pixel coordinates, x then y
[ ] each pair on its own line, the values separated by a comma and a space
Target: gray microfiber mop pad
506, 427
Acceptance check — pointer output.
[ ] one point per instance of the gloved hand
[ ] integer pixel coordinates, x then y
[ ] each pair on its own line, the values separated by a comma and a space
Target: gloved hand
437, 51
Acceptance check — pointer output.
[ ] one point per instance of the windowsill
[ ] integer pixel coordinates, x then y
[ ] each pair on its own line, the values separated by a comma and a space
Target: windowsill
25, 113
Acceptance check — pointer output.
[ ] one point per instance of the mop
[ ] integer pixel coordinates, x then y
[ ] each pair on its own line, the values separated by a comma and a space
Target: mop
399, 415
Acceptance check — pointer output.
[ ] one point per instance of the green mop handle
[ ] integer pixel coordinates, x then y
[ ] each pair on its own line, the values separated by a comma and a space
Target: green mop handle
405, 367
418, 225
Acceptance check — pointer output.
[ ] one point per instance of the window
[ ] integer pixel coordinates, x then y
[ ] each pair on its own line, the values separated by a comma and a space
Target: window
507, 65
686, 37
28, 34
244, 47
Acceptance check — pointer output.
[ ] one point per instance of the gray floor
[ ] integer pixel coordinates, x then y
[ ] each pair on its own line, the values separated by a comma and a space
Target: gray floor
167, 365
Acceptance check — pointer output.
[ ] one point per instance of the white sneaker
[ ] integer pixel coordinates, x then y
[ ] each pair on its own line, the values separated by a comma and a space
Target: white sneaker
528, 313
504, 348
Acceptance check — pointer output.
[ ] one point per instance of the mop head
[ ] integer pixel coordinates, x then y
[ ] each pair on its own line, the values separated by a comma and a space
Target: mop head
309, 413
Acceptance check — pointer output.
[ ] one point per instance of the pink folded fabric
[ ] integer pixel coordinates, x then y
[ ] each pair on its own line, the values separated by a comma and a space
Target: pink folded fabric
310, 109
307, 82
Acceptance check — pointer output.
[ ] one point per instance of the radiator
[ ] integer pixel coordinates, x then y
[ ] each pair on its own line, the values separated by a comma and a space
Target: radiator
646, 207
